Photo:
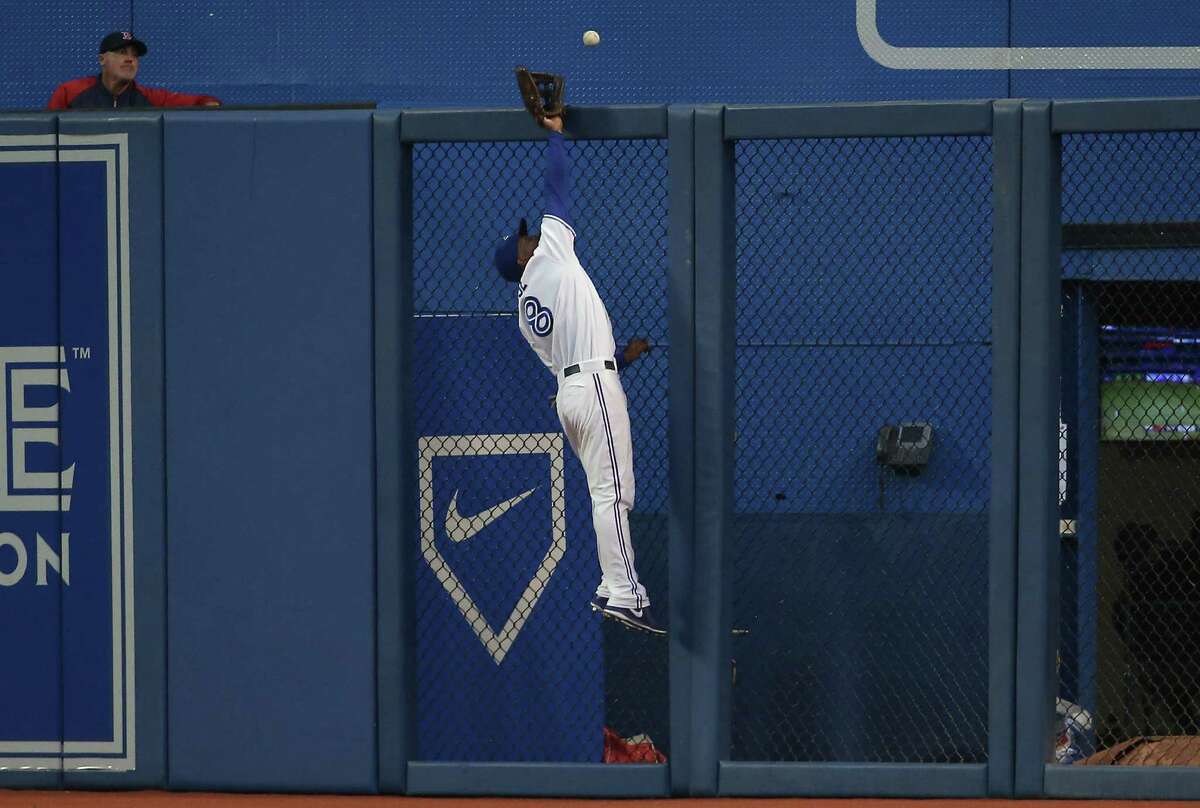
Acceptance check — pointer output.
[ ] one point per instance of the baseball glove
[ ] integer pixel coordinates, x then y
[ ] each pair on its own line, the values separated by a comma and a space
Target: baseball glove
541, 92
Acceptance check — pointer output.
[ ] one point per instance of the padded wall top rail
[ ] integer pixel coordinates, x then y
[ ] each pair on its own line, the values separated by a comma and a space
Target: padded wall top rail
617, 122
859, 120
1125, 115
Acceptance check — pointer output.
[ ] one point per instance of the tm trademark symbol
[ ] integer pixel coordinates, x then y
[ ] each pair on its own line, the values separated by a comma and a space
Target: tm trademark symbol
82, 353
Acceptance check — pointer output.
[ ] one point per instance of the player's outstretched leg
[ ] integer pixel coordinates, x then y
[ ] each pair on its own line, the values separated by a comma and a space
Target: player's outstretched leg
596, 420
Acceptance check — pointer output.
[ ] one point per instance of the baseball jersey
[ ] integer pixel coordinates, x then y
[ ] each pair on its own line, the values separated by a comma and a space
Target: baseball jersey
558, 310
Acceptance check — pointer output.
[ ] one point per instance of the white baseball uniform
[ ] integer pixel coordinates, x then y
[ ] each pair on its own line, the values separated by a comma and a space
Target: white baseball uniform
566, 324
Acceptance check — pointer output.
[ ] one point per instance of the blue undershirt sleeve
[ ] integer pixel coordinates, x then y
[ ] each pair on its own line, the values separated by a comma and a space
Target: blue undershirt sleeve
558, 179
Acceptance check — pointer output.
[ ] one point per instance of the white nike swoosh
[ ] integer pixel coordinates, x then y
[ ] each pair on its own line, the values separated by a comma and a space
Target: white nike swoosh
460, 528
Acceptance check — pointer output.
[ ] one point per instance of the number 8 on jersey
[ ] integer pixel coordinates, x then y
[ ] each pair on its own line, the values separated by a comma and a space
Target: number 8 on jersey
540, 318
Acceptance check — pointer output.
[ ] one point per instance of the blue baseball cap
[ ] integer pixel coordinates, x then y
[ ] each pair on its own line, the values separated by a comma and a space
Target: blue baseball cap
122, 39
506, 255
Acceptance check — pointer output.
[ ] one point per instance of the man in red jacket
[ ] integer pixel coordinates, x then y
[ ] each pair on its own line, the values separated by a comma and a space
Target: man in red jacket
115, 88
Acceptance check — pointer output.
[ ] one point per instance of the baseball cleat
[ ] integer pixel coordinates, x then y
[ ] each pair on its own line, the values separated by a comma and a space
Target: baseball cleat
598, 603
636, 619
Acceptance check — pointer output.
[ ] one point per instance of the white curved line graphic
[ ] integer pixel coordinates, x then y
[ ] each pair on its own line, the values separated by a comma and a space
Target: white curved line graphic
1106, 58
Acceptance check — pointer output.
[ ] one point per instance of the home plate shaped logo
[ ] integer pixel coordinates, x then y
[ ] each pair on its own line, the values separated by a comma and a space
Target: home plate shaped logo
460, 528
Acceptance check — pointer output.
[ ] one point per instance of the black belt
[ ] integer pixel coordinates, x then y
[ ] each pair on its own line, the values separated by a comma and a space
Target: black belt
571, 370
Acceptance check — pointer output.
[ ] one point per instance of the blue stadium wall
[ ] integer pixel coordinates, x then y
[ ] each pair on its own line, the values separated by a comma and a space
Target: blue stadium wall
456, 54
235, 690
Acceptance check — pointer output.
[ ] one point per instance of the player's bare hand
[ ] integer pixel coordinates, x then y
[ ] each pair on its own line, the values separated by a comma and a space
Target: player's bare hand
634, 349
554, 124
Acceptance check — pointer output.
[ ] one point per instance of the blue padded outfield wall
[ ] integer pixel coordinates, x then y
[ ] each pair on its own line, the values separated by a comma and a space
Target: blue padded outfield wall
192, 555
234, 252
193, 546
276, 401
456, 54
281, 258
193, 542
72, 378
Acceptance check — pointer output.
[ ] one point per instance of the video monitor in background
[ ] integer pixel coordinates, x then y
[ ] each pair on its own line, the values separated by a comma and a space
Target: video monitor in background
1150, 383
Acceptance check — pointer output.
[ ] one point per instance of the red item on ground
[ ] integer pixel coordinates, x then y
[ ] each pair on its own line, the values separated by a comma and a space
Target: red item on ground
638, 749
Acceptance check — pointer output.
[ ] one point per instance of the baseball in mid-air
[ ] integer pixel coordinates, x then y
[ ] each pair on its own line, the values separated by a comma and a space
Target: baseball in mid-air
591, 38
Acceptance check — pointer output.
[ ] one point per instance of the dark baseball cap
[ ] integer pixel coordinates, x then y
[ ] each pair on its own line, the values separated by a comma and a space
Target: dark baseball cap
122, 39
506, 255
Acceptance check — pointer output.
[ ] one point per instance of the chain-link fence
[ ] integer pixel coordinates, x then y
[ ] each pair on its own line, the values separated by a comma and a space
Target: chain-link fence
1130, 622
512, 665
863, 405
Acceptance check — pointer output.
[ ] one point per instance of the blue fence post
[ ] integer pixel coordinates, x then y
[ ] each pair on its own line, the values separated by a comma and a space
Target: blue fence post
1041, 357
1002, 615
392, 298
408, 476
681, 335
1087, 494
715, 293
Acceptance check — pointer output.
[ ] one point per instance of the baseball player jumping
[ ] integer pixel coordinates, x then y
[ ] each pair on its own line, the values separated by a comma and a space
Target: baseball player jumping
566, 324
